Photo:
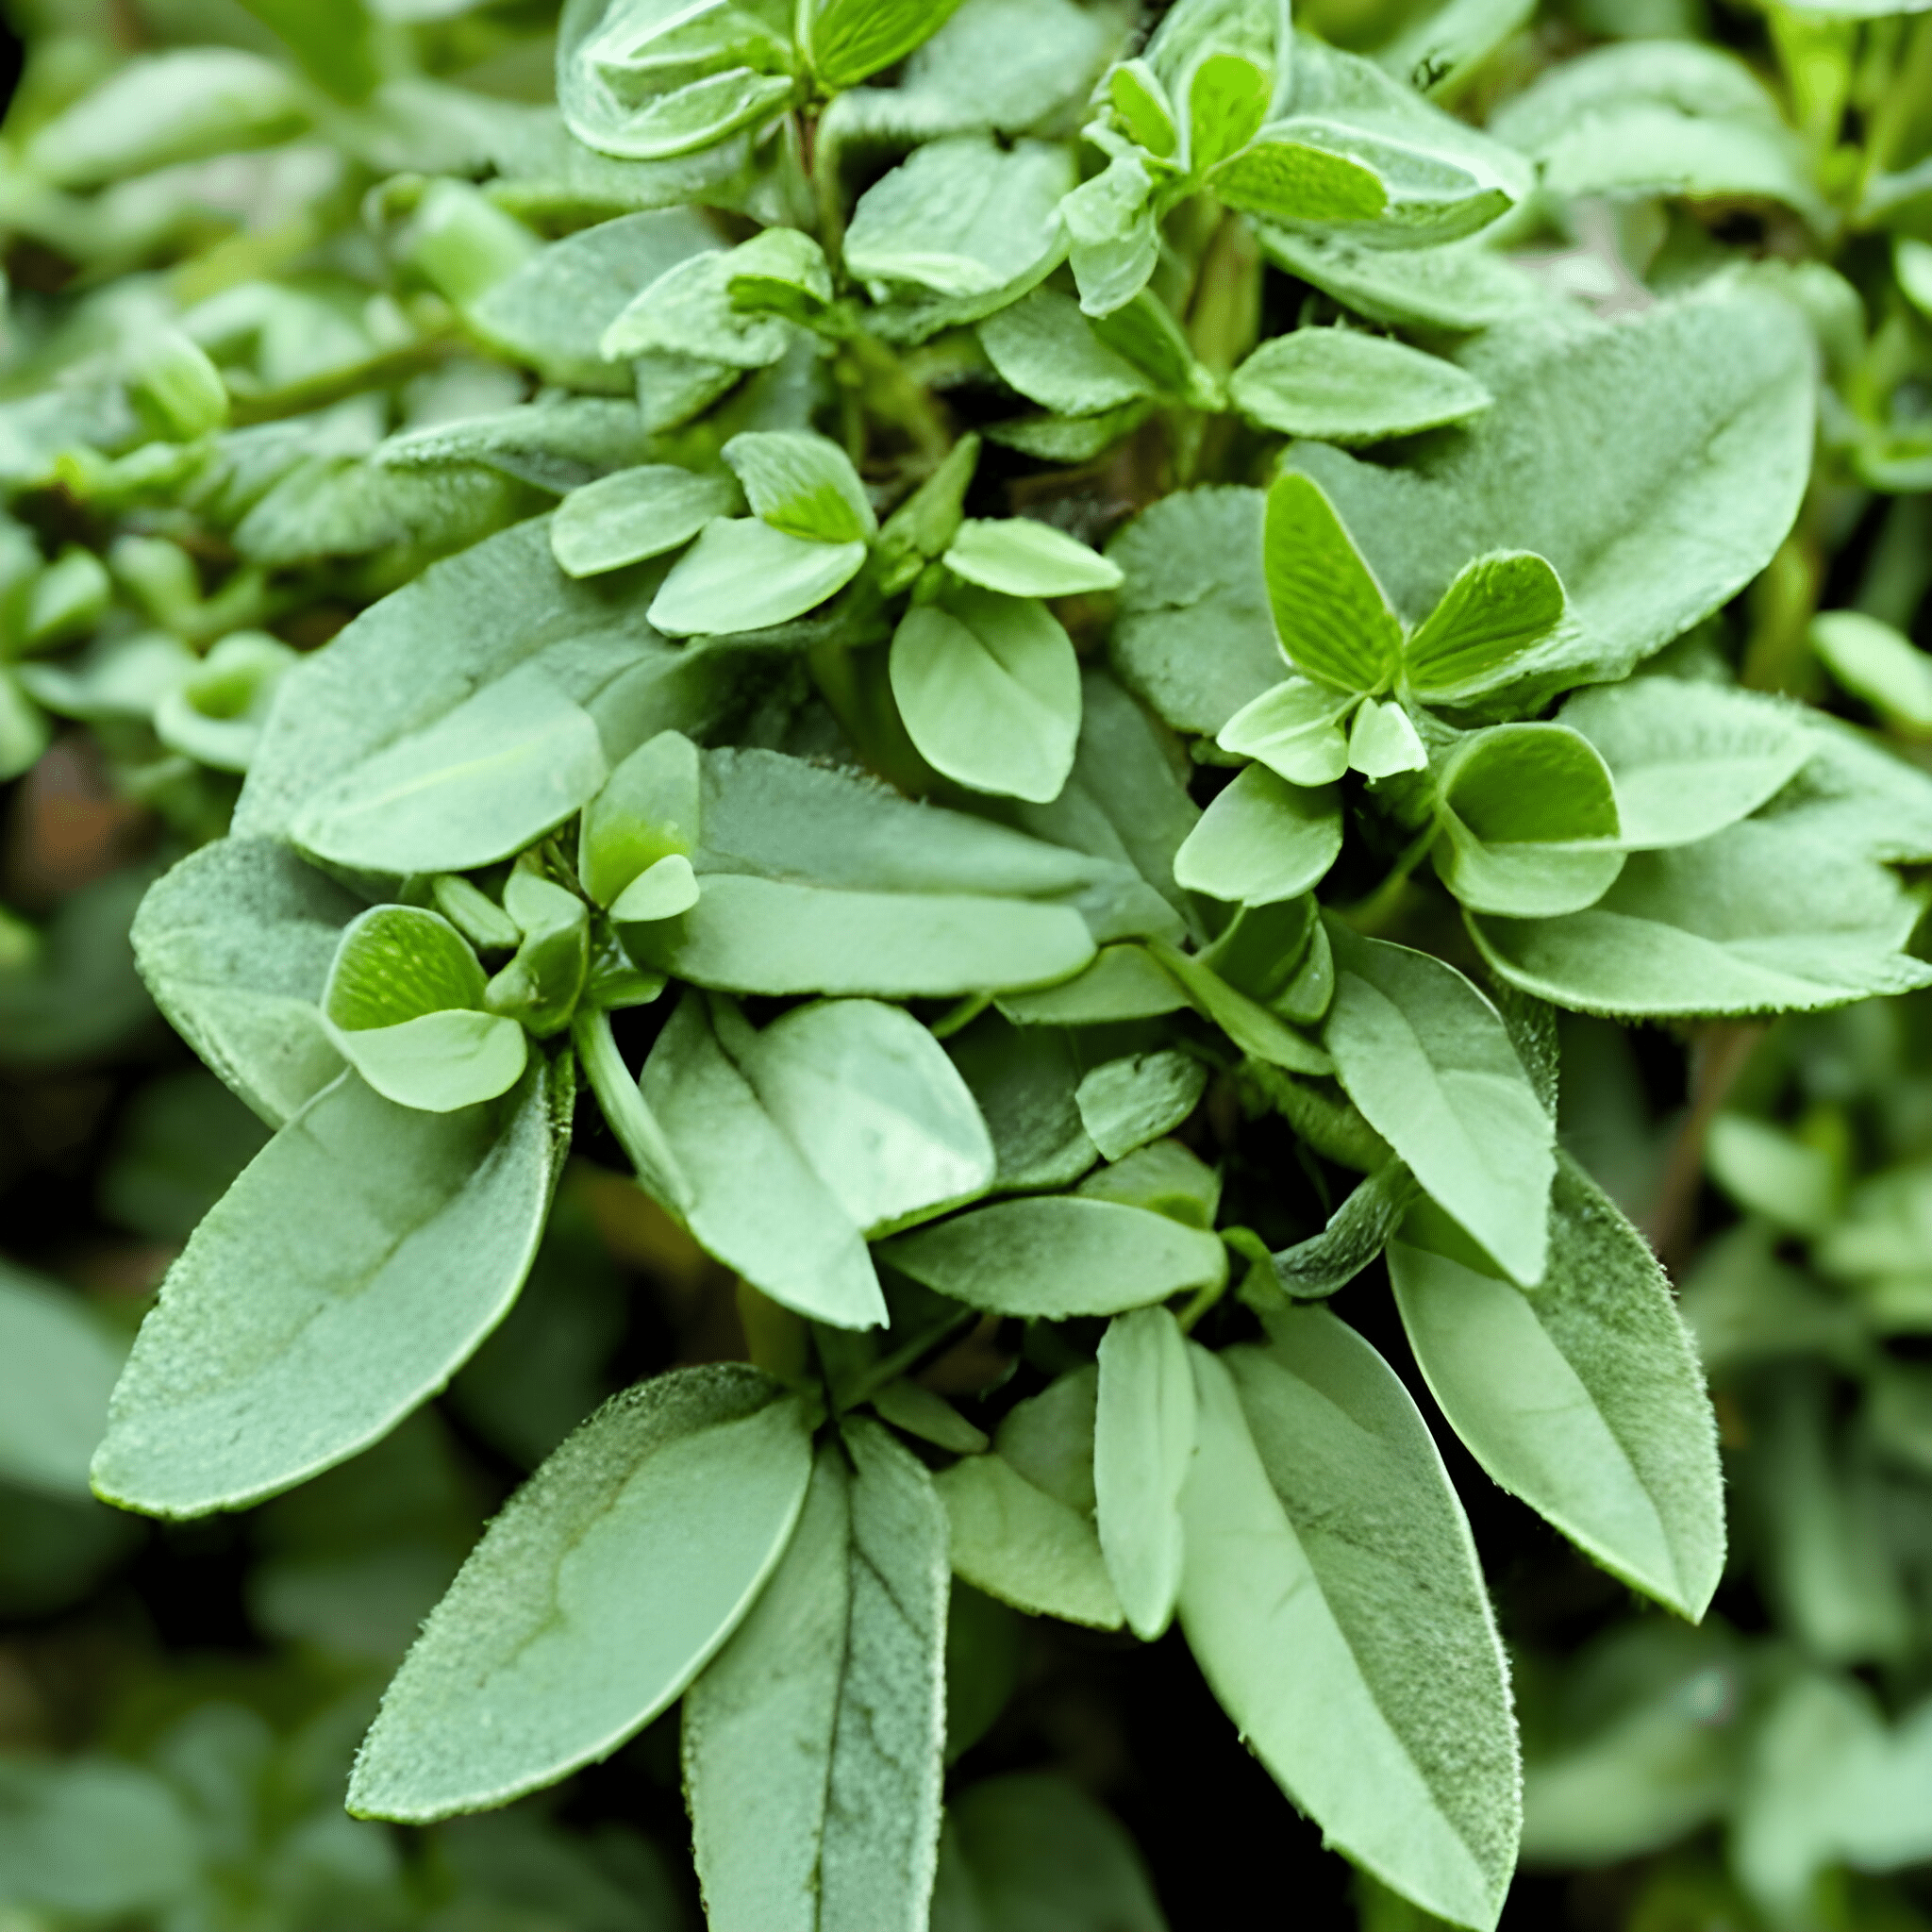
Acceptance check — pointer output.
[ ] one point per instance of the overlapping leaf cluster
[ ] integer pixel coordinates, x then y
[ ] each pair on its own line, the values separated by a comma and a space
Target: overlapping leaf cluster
1026, 650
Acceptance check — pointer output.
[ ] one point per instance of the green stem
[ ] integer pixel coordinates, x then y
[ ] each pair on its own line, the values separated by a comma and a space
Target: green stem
1375, 913
626, 1112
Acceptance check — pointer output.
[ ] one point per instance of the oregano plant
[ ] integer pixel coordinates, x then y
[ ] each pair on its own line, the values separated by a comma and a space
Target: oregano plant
1023, 650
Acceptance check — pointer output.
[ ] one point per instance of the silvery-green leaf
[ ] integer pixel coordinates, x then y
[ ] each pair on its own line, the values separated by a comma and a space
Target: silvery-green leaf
553, 309
635, 514
870, 1098
1456, 286
757, 1200
1330, 1593
803, 484
742, 574
1193, 638
1859, 794
1068, 440
1698, 418
235, 943
1529, 822
1113, 238
962, 217
1125, 1102
361, 1256
989, 689
1383, 740
1046, 349
1356, 1235
1331, 615
1295, 729
174, 106
1759, 918
689, 311
1438, 52
1012, 1539
1342, 386
1163, 1177
812, 1741
610, 1579
1430, 1064
439, 1061
1024, 558
553, 445
59, 1364
1498, 608
1583, 1397
1057, 1258
1688, 758
1023, 1080
1876, 662
1143, 1442
1262, 839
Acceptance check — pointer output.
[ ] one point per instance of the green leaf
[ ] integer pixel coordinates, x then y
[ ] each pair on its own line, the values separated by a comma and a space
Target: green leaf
963, 218
989, 688
1341, 385
1023, 1080
552, 310
1124, 1103
1530, 821
1284, 179
1331, 1595
1112, 235
1383, 741
58, 1364
1227, 101
803, 484
1688, 758
1584, 1397
1456, 286
1761, 918
540, 986
849, 41
812, 1742
1026, 558
90, 1838
688, 312
1032, 1853
1429, 1062
646, 813
609, 1580
635, 514
1879, 664
758, 1199
235, 943
782, 270
1046, 349
1252, 1026
1145, 111
1058, 1257
1193, 638
1698, 417
1356, 1235
359, 1259
1295, 729
1013, 1539
1123, 983
555, 445
1498, 608
742, 574
1163, 1177
1334, 622
1262, 839
1143, 1442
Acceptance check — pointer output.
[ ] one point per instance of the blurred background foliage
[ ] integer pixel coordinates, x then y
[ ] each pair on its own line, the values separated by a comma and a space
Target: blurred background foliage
177, 1703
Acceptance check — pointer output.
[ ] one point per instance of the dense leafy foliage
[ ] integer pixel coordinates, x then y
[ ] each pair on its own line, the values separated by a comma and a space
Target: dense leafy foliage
1065, 671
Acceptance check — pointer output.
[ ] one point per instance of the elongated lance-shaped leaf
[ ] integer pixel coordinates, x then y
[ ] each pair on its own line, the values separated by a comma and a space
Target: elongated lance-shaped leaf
812, 1743
1583, 1397
610, 1579
1331, 1594
1143, 1444
360, 1258
1331, 614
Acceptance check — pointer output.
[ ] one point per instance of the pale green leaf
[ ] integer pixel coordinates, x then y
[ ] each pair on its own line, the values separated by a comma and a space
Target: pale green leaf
1498, 608
744, 574
1027, 558
1688, 760
439, 1061
1013, 1539
59, 1364
1760, 918
1262, 839
1295, 729
1023, 1080
1112, 235
1058, 1257
235, 943
757, 1201
357, 1263
610, 1579
849, 41
1879, 664
1292, 175
633, 515
989, 688
1459, 286
1164, 1177
1124, 1103
1253, 1027
688, 312
1382, 741
1143, 1442
812, 1742
1430, 1064
1123, 983
1341, 385
1044, 347
1583, 1397
646, 813
803, 484
1331, 615
1331, 1594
